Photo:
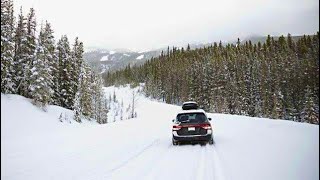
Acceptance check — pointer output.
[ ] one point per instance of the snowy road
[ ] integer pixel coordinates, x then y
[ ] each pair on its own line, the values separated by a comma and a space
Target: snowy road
164, 161
160, 159
36, 146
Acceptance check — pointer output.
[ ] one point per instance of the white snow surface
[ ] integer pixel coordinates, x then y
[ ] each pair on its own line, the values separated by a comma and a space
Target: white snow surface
36, 146
105, 58
112, 52
140, 57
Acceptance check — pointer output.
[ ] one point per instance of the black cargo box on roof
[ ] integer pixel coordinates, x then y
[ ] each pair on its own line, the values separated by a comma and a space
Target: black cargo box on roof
189, 105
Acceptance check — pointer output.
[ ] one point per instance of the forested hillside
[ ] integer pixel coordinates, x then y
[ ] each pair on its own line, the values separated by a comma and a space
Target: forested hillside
34, 66
276, 79
102, 60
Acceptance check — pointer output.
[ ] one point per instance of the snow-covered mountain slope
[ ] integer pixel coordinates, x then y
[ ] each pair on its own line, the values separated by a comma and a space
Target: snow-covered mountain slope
36, 146
105, 60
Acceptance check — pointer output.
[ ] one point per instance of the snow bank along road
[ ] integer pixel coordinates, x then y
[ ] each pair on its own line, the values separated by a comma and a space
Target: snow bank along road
36, 146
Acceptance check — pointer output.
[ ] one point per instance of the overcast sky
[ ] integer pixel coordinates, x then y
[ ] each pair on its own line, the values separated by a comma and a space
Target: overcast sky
149, 24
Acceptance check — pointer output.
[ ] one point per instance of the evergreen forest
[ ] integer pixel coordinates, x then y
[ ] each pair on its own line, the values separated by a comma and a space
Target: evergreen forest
277, 79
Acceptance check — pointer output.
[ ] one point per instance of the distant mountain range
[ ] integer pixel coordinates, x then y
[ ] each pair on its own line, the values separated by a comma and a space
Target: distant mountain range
104, 60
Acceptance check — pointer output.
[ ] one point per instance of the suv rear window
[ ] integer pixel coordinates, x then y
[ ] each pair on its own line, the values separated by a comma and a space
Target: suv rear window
192, 118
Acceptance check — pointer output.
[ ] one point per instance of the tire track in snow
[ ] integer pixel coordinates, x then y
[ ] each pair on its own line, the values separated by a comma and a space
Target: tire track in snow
133, 157
209, 166
218, 172
153, 163
157, 155
150, 158
193, 162
170, 166
202, 166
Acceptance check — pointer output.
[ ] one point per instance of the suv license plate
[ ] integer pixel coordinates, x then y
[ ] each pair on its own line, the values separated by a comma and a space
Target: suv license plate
191, 128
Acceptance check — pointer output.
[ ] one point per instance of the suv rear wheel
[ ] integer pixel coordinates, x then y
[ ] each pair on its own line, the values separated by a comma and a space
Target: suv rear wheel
203, 143
211, 141
174, 142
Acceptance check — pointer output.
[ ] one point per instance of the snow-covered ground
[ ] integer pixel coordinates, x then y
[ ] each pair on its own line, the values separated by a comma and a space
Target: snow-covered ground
140, 57
105, 58
35, 145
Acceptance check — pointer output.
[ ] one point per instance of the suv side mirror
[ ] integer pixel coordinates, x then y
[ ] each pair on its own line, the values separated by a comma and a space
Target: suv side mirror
209, 119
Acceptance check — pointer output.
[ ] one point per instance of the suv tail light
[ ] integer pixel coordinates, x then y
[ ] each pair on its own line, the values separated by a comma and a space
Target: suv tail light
205, 126
176, 128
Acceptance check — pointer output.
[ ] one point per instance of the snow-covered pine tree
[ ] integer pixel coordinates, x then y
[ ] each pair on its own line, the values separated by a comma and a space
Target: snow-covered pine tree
65, 73
277, 109
77, 108
121, 113
94, 95
77, 61
206, 84
77, 77
40, 76
134, 101
231, 86
310, 112
7, 46
60, 117
98, 100
256, 94
114, 97
245, 84
194, 82
30, 51
102, 111
86, 91
52, 60
21, 56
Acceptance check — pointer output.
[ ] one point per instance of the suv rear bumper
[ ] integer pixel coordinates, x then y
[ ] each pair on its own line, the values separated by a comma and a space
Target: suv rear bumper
192, 138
